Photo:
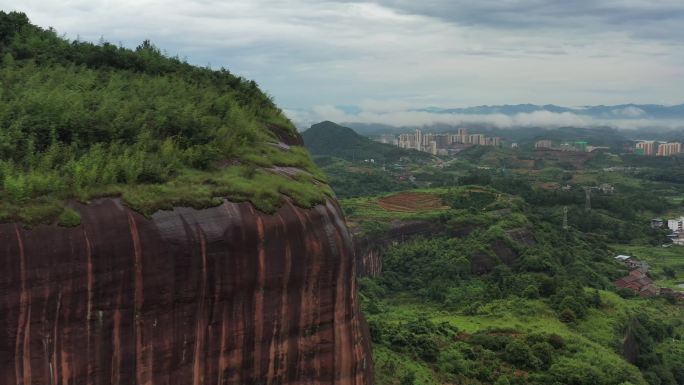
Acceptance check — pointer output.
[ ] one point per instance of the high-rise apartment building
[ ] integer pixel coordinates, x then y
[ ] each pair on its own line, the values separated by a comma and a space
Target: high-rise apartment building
419, 140
669, 149
647, 147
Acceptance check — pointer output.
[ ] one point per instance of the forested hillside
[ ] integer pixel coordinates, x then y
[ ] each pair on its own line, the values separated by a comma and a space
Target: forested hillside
83, 120
331, 139
503, 295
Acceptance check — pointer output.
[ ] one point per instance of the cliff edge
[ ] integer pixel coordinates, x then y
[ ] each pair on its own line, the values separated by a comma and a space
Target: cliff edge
161, 224
223, 295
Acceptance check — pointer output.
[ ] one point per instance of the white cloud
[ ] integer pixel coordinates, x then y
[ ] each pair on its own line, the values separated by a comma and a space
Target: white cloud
402, 118
412, 118
629, 112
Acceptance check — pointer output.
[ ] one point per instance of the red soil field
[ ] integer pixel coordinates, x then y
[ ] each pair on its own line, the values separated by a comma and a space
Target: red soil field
412, 202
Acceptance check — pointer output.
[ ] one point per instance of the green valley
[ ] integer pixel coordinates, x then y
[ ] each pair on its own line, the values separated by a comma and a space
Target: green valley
480, 283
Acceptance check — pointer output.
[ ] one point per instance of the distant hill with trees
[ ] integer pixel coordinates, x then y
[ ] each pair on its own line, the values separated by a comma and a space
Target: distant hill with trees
331, 139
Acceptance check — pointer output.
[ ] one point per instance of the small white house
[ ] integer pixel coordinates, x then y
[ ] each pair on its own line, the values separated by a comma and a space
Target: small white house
622, 258
676, 225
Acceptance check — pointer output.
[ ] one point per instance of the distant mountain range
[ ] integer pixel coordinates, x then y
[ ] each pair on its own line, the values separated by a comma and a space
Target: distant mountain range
635, 121
622, 111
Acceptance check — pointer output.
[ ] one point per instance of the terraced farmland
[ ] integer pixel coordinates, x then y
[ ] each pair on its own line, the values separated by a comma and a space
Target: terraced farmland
412, 202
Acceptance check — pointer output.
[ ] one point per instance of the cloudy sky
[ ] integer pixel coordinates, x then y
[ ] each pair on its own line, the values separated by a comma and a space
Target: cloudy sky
389, 56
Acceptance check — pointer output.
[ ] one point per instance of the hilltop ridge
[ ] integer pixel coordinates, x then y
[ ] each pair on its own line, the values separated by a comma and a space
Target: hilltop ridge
82, 120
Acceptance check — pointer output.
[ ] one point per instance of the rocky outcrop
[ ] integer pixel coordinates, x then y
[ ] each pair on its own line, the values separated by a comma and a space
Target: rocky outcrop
482, 263
371, 247
369, 262
501, 252
504, 252
522, 236
462, 230
630, 343
224, 295
285, 136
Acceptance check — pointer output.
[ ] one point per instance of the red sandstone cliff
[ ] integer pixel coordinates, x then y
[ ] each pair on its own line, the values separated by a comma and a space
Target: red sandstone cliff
225, 295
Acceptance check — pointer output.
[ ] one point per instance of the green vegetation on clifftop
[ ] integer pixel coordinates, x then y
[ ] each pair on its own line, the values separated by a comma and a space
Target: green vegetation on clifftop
81, 120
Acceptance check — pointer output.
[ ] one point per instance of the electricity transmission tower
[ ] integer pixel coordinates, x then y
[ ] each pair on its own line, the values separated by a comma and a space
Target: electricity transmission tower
565, 217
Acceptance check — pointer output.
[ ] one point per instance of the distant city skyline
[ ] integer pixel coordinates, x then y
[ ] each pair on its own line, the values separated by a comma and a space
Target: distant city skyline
387, 58
442, 143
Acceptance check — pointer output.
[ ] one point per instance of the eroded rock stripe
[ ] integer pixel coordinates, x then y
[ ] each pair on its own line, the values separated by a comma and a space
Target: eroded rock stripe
222, 296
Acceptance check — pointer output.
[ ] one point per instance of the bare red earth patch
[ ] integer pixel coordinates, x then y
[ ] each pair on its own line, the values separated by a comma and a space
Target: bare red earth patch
412, 202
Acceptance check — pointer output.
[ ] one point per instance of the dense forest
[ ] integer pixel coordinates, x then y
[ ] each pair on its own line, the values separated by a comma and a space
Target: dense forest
513, 299
82, 120
500, 289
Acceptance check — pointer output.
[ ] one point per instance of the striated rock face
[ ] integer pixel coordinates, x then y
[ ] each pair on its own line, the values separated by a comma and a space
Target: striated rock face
225, 295
371, 248
483, 263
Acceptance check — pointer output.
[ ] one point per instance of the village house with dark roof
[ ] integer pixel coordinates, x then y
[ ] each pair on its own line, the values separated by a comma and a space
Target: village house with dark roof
639, 283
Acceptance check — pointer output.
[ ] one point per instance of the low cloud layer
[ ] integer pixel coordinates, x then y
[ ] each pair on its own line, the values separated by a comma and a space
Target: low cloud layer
622, 118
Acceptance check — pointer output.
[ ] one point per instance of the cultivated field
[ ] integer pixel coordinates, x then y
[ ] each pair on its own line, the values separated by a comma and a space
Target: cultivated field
411, 202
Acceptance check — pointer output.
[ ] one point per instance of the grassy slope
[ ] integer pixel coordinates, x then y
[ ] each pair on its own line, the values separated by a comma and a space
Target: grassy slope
593, 341
81, 121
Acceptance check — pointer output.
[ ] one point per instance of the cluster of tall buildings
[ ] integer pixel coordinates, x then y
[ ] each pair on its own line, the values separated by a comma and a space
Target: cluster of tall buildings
442, 143
651, 147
